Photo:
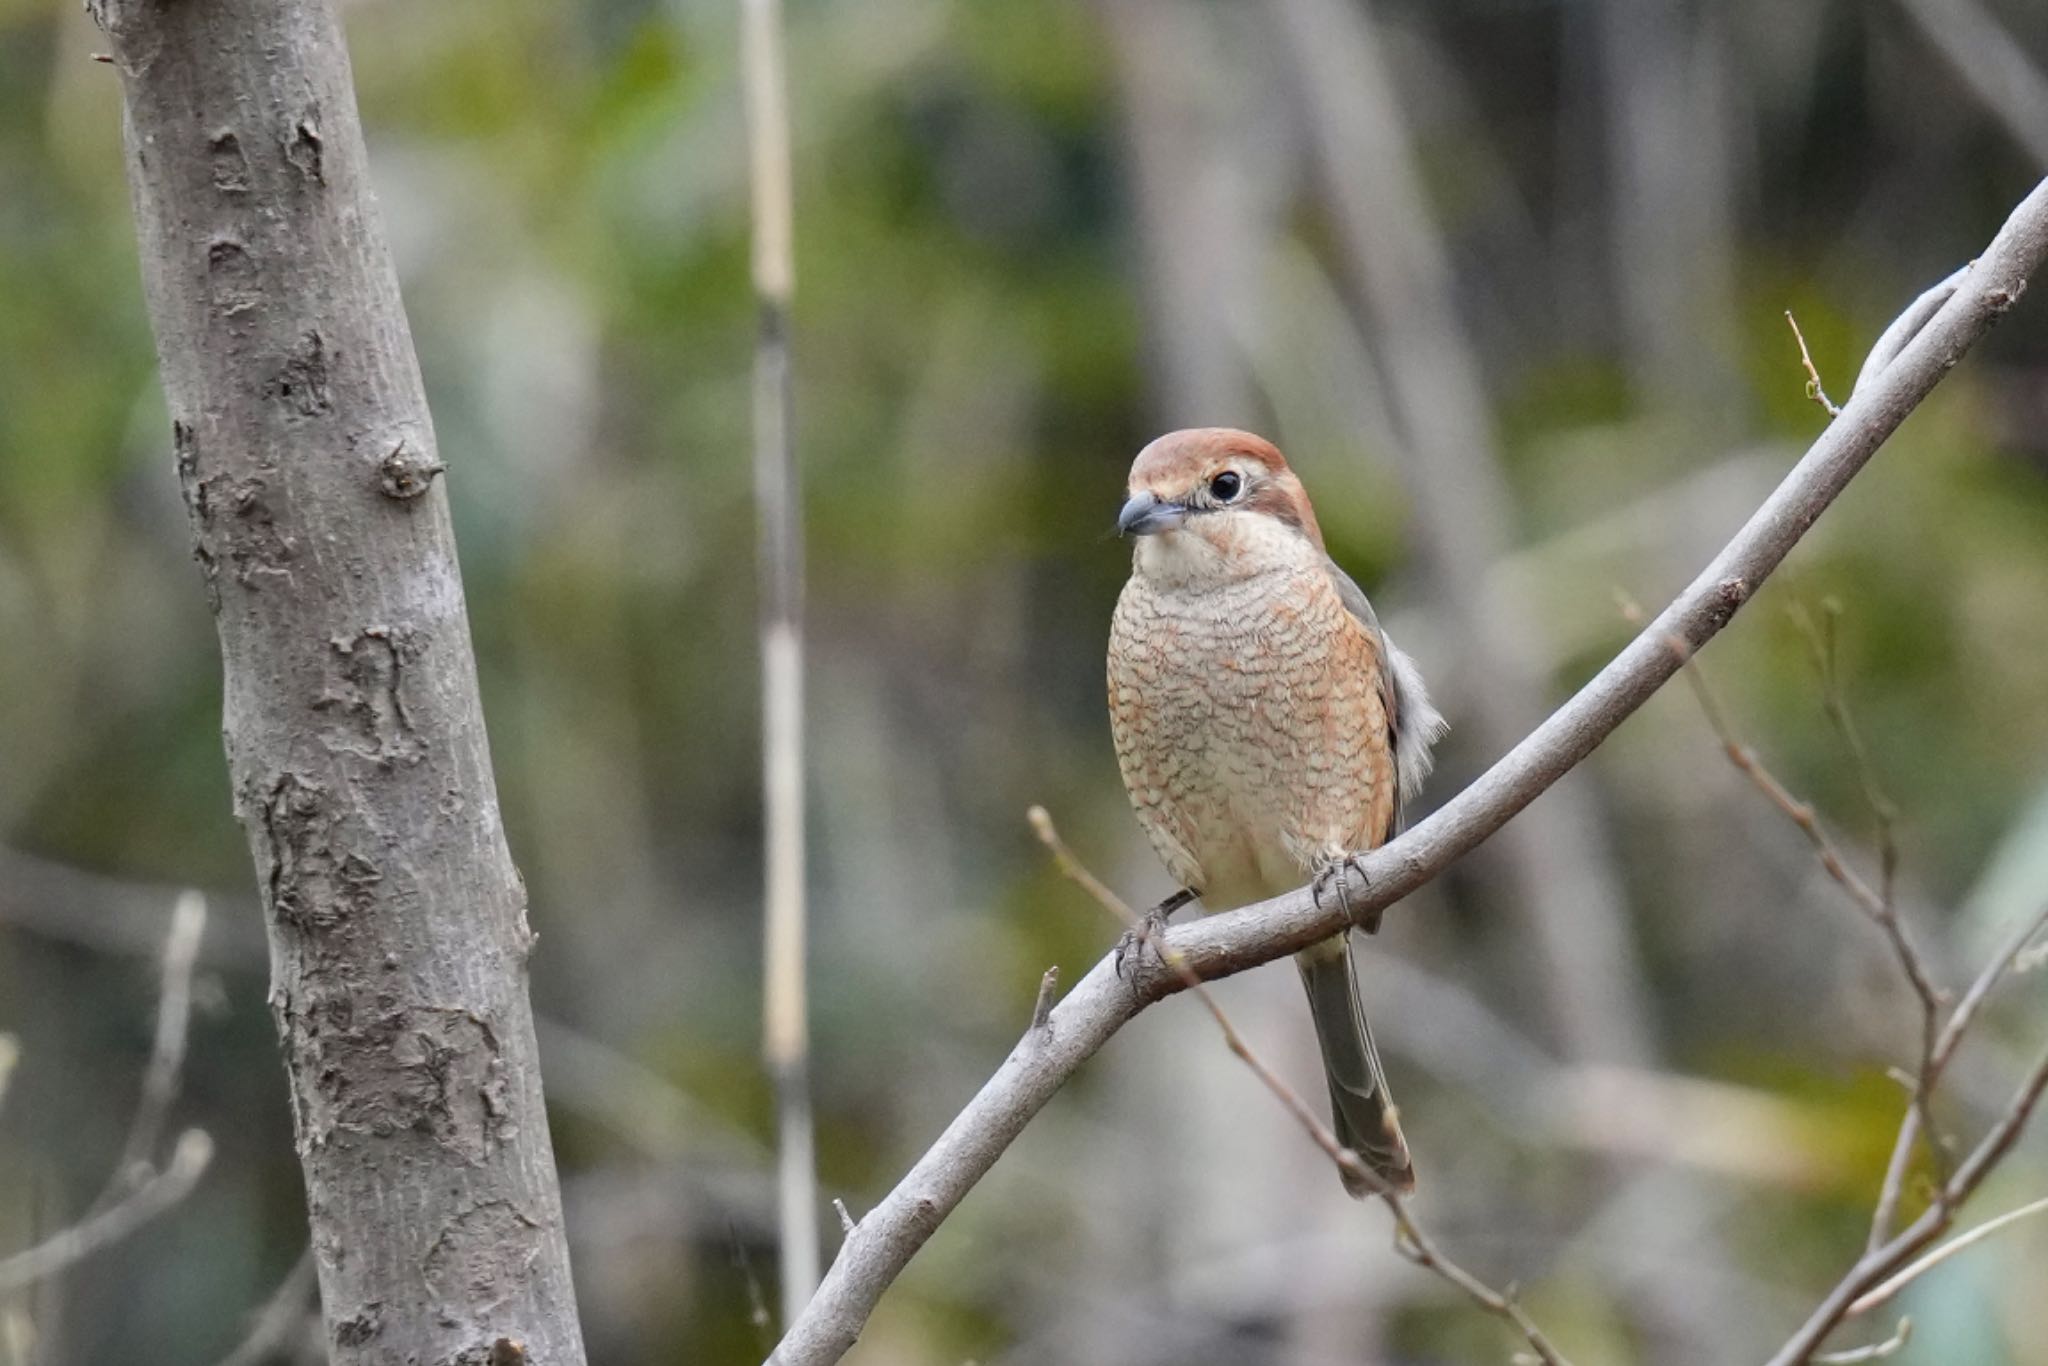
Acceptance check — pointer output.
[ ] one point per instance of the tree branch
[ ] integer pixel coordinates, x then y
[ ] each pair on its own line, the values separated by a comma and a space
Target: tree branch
283, 1316
1409, 1239
160, 1192
884, 1242
161, 1079
1874, 1298
1879, 1264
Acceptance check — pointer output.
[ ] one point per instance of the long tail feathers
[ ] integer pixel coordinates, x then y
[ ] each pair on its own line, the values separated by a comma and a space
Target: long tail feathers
1362, 1111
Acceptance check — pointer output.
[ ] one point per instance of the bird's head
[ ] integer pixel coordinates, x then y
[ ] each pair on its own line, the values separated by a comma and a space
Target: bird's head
1216, 502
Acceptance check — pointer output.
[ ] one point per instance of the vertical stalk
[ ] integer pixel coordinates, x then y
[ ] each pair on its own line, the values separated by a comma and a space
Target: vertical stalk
786, 1031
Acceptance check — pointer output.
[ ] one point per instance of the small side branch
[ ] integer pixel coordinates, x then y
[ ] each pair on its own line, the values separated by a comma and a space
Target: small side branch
1880, 1264
1048, 992
1409, 1239
160, 1192
1814, 390
282, 1317
1941, 1254
162, 1078
1879, 904
1876, 1351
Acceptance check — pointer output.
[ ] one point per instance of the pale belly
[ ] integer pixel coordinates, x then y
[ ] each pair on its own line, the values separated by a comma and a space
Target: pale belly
1245, 735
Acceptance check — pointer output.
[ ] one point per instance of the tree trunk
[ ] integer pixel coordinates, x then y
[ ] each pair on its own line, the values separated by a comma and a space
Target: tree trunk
355, 739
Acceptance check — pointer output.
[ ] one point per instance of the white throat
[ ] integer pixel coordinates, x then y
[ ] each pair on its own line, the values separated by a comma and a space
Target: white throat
1227, 548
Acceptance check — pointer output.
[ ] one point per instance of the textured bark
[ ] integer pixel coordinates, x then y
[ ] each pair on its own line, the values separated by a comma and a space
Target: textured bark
354, 735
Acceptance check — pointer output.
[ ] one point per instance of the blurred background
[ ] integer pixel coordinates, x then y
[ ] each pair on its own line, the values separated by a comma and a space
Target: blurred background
1505, 278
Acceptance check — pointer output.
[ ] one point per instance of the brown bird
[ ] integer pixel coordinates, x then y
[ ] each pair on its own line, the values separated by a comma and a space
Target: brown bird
1266, 728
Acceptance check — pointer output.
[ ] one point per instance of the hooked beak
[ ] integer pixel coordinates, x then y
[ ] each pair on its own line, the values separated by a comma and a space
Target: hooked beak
1145, 515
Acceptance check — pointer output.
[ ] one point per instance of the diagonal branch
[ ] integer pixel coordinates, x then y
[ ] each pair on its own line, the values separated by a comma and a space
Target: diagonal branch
162, 1191
1879, 906
882, 1244
1409, 1239
1880, 1264
1882, 1293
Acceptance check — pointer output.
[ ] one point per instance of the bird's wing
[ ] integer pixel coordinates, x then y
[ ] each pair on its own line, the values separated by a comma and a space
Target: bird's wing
1413, 722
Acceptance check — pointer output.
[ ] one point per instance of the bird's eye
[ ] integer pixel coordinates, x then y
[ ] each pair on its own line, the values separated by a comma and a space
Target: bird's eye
1225, 486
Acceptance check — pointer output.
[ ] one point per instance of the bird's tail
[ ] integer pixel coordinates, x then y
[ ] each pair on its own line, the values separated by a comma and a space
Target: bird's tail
1361, 1109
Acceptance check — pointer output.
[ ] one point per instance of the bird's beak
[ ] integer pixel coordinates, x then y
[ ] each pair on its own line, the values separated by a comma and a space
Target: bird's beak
1145, 515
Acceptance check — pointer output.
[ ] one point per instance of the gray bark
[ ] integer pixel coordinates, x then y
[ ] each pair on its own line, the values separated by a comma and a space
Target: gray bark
355, 739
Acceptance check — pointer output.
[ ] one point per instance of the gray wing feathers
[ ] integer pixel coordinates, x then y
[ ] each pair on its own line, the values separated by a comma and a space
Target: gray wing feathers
1416, 723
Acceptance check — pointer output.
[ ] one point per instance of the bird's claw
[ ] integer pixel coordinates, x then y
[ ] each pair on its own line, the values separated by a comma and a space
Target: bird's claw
1333, 872
1135, 942
1146, 933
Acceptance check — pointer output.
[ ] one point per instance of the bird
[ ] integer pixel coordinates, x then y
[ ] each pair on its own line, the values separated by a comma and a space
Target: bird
1266, 729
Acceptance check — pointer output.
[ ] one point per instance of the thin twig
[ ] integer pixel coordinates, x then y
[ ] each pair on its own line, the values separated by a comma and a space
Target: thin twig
1821, 641
2007, 959
758, 1317
1103, 1002
1814, 390
1876, 1351
1875, 1266
1879, 905
160, 1080
1941, 1254
1048, 992
282, 1315
1409, 1239
1916, 1120
1944, 1047
786, 1044
68, 1246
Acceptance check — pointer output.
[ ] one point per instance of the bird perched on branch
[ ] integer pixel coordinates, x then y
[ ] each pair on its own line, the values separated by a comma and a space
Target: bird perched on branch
1266, 728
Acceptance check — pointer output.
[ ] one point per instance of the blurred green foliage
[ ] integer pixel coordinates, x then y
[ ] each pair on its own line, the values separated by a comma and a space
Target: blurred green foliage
978, 350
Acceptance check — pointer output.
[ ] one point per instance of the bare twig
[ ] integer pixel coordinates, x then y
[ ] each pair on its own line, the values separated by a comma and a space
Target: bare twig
1814, 388
1101, 1003
282, 1316
1876, 1351
1409, 1239
1941, 1254
1821, 639
1879, 1264
758, 1317
1041, 822
1879, 905
71, 1245
136, 1192
2007, 959
1048, 992
1917, 1120
786, 1027
167, 1055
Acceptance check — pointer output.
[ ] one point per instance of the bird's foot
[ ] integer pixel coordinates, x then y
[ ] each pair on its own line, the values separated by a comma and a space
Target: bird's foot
1144, 935
1332, 876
